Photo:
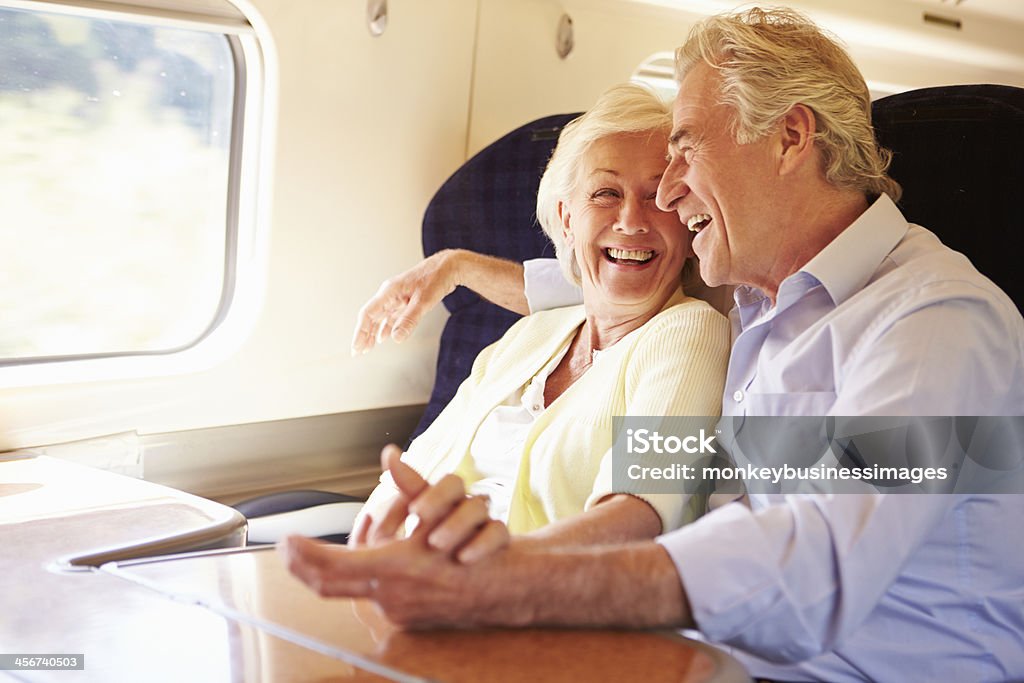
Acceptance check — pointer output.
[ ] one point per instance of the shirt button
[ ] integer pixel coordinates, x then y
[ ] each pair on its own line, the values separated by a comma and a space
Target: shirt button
738, 396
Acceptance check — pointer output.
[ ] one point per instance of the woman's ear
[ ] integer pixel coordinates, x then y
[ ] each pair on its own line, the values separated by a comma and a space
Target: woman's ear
563, 215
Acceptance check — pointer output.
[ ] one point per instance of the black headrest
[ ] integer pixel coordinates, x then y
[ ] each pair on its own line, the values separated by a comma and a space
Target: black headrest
958, 152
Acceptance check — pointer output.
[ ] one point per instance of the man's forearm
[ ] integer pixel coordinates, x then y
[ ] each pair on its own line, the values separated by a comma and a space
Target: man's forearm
495, 279
632, 586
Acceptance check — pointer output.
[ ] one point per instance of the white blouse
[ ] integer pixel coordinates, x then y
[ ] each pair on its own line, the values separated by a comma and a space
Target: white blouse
498, 445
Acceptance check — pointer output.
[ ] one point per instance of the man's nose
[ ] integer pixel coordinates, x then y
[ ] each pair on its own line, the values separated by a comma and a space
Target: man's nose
672, 187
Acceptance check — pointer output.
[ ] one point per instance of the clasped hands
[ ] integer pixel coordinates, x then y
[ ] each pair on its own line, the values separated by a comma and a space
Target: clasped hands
418, 580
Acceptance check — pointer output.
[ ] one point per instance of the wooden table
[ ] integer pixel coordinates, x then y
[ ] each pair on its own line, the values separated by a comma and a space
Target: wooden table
252, 587
237, 615
58, 521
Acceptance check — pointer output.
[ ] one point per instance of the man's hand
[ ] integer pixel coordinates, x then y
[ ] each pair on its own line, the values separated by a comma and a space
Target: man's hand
411, 583
397, 307
416, 586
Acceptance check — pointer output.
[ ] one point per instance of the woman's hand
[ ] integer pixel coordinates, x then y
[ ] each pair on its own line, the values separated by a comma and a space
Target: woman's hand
452, 522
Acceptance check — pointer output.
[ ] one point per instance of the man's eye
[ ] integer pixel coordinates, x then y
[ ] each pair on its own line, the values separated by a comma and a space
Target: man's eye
683, 154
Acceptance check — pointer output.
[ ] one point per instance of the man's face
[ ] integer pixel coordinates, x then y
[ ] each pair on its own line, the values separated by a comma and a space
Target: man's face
722, 191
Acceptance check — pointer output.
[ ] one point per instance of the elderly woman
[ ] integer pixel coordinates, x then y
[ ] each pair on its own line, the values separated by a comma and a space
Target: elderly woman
531, 427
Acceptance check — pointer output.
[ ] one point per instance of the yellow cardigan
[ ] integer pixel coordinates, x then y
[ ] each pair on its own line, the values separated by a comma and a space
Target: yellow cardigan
673, 365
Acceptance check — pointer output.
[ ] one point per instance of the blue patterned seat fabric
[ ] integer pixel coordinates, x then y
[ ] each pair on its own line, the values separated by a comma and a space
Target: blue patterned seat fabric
488, 206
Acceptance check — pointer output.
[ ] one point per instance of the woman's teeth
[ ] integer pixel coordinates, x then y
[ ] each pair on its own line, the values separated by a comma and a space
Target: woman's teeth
630, 255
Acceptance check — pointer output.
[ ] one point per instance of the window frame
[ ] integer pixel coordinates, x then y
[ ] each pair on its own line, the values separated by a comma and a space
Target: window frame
246, 215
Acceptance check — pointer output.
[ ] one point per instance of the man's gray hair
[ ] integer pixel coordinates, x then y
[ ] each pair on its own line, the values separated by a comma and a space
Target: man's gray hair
771, 60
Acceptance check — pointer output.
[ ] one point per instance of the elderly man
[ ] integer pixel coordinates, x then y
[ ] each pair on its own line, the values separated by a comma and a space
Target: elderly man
842, 308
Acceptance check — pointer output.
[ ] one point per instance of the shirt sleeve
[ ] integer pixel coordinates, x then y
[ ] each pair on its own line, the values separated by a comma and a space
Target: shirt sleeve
788, 582
965, 360
546, 286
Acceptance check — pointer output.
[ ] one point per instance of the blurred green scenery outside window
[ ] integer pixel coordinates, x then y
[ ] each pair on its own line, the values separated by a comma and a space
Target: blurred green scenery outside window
114, 185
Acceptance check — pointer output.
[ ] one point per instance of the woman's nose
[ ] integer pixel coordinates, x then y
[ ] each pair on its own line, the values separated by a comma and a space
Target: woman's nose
633, 218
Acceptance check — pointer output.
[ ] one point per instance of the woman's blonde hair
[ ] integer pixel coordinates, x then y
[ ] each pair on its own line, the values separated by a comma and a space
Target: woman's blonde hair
625, 108
772, 60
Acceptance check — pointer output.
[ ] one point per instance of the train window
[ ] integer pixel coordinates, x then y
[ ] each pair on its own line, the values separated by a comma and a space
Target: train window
118, 211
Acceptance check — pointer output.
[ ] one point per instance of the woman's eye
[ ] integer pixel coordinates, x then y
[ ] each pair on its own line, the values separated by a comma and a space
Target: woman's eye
604, 193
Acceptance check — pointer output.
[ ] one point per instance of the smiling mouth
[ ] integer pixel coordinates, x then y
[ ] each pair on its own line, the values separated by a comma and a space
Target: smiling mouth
628, 257
698, 222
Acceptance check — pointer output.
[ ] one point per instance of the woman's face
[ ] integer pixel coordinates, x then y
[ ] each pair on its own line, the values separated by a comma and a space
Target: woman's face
629, 252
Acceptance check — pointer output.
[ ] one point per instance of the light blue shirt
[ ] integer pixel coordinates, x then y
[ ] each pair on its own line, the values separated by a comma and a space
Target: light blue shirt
884, 321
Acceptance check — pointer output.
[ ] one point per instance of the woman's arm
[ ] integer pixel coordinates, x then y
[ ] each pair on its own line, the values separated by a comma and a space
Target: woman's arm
617, 518
677, 368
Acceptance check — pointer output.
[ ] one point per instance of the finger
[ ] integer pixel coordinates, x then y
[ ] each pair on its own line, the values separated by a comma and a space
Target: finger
360, 532
408, 480
437, 501
460, 526
366, 321
405, 321
330, 570
490, 539
386, 526
384, 328
371, 315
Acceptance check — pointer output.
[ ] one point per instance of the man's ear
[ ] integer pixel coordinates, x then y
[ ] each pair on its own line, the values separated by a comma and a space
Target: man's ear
798, 128
563, 215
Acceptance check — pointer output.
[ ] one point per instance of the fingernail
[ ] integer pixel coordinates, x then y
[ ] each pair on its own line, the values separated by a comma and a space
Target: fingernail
399, 335
436, 541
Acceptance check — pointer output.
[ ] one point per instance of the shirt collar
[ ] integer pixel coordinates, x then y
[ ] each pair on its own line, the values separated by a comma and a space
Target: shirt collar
845, 265
849, 261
